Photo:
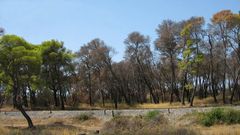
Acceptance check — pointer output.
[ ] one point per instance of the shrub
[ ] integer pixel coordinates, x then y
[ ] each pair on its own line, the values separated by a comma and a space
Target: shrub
152, 115
232, 116
220, 116
212, 117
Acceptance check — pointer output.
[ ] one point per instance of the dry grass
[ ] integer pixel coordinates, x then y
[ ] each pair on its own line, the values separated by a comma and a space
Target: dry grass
144, 106
161, 105
209, 101
141, 126
119, 125
51, 126
7, 108
218, 129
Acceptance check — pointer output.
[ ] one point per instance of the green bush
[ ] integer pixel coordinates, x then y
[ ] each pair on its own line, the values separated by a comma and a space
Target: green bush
220, 116
232, 116
212, 117
152, 115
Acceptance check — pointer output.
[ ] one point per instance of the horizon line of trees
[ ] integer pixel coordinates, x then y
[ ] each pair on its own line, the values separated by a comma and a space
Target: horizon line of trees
190, 59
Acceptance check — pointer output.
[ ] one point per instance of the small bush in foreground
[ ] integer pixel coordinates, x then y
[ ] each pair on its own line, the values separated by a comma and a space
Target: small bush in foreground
155, 117
220, 116
152, 114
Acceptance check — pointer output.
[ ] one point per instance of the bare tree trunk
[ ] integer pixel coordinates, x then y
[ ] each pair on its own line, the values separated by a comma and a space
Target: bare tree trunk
196, 80
224, 90
32, 96
61, 98
55, 97
194, 90
173, 82
20, 108
90, 89
224, 74
234, 88
17, 103
184, 89
24, 96
211, 64
103, 99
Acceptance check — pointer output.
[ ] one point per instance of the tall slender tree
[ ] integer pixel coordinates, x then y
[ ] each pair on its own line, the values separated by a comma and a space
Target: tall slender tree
16, 55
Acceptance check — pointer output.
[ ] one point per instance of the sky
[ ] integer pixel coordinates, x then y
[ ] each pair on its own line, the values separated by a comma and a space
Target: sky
77, 22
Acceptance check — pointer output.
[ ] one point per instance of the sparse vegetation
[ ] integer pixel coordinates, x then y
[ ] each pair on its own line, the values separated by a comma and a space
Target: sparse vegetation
152, 114
141, 126
215, 116
52, 126
220, 116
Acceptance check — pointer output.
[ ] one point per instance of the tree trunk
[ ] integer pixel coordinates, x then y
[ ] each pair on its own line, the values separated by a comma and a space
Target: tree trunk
184, 89
20, 108
211, 65
24, 96
55, 98
18, 105
62, 102
103, 98
224, 89
194, 90
32, 96
234, 88
173, 85
62, 99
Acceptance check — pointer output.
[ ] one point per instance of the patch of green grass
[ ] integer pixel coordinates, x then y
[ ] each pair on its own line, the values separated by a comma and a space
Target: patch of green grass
152, 115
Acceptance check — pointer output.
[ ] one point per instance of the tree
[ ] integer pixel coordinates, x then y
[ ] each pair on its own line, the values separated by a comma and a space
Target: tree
232, 22
166, 43
221, 19
57, 67
16, 55
139, 54
94, 63
211, 55
192, 56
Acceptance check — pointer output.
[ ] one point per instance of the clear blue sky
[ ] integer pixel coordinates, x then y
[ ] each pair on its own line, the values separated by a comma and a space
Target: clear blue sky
76, 22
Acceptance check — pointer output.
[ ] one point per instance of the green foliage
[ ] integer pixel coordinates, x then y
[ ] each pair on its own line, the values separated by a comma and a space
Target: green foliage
18, 60
152, 114
220, 116
187, 53
232, 116
189, 43
186, 30
57, 65
189, 86
199, 58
